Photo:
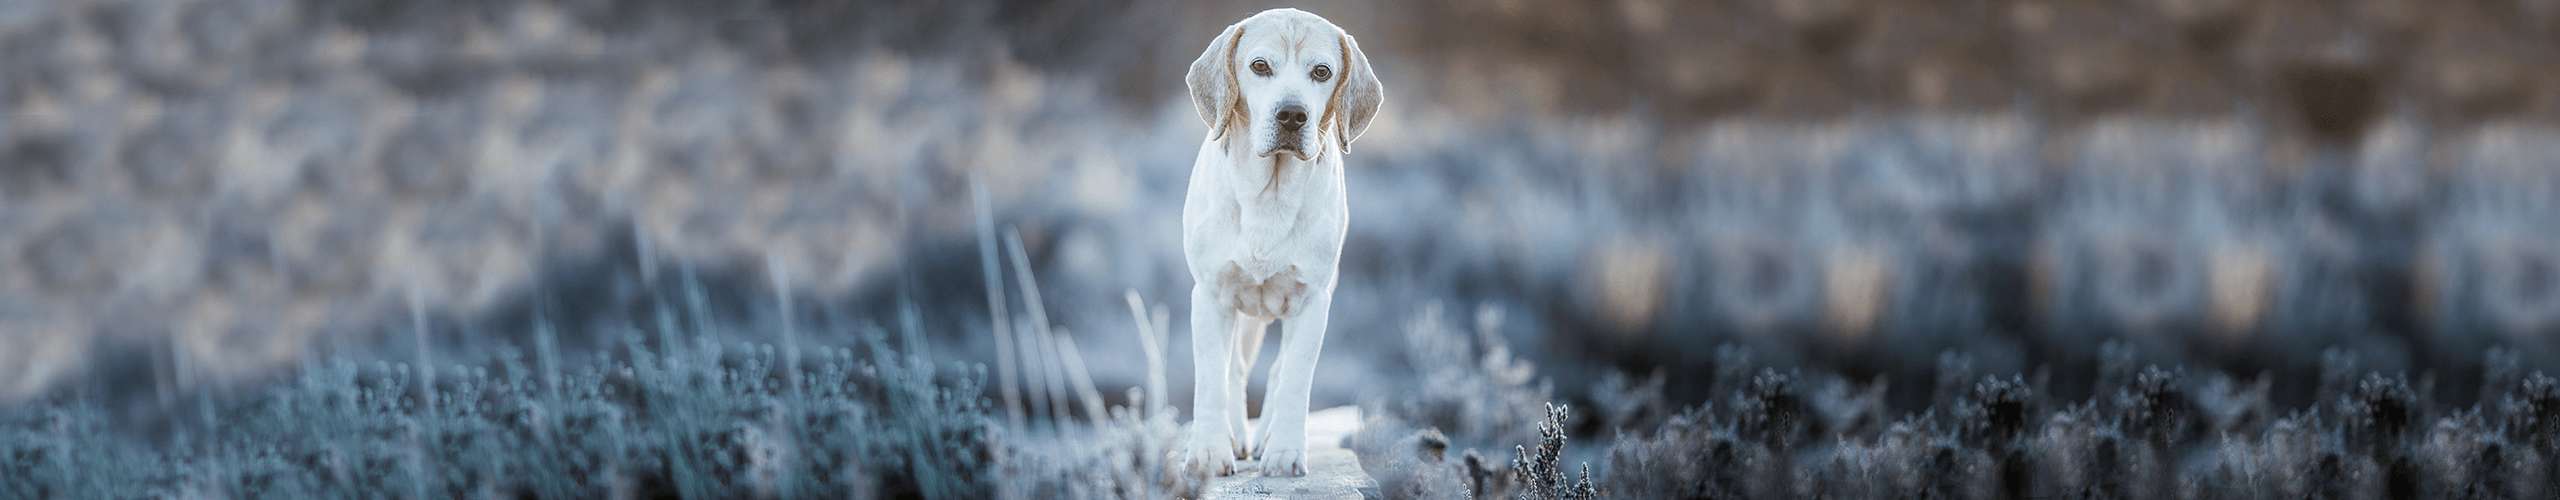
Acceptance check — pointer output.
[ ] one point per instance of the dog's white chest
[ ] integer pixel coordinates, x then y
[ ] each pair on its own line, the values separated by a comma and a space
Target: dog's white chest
1260, 237
1253, 256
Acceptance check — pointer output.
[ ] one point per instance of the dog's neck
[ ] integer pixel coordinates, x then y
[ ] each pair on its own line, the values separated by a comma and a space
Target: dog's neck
1274, 175
1270, 195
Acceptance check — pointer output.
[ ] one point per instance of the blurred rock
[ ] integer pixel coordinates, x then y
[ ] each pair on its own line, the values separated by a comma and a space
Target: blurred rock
1855, 282
1629, 277
2239, 282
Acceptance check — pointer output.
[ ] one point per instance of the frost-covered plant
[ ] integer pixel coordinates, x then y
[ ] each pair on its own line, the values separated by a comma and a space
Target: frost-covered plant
2080, 453
1471, 385
2377, 413
1629, 404
1473, 393
1995, 412
1773, 409
1692, 455
679, 414
1840, 406
702, 420
1127, 456
2153, 407
2149, 434
2229, 406
2533, 413
1538, 474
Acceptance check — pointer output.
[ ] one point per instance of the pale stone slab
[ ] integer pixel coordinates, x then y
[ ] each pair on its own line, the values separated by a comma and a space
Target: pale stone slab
1332, 472
1327, 428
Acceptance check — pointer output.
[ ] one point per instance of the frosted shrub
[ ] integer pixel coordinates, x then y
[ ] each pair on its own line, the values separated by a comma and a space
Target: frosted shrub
1538, 474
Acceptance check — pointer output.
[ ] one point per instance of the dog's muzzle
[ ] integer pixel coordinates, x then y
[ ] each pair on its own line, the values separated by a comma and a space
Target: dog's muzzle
1291, 120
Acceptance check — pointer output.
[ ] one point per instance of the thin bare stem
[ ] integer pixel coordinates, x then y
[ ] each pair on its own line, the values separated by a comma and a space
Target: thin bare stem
1055, 380
1153, 346
1074, 357
790, 326
1035, 367
999, 321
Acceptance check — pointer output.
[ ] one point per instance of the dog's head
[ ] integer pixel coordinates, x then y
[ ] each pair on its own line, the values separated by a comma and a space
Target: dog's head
1290, 80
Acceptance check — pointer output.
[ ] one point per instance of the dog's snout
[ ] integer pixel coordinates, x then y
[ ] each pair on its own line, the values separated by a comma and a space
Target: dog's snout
1292, 117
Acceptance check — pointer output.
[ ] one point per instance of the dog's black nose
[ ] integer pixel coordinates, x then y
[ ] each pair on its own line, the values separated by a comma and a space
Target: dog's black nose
1292, 117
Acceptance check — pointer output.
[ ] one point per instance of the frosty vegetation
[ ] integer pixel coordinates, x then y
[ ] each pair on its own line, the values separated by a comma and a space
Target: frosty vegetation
2145, 431
857, 412
672, 411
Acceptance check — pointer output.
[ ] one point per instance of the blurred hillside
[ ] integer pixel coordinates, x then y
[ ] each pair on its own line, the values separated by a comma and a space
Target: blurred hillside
201, 191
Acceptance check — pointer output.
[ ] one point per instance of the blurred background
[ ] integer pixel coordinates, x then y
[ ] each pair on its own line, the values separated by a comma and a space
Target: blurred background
203, 193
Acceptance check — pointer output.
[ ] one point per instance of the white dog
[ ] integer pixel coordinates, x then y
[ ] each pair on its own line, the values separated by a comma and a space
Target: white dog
1284, 93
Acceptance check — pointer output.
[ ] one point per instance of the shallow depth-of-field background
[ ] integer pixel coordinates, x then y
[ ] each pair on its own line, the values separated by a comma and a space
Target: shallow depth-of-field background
1957, 248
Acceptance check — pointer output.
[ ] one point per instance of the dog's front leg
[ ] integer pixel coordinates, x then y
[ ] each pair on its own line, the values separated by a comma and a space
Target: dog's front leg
1210, 443
1283, 439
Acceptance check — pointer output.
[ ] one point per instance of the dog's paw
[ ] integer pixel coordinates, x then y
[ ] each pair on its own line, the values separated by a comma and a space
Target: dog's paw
1243, 445
1284, 457
1282, 447
1207, 449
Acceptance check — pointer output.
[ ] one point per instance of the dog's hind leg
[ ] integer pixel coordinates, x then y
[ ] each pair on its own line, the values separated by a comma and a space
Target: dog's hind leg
1282, 444
1279, 365
1249, 332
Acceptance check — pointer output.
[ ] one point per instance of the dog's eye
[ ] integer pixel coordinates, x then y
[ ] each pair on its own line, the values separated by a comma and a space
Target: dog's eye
1321, 73
1261, 68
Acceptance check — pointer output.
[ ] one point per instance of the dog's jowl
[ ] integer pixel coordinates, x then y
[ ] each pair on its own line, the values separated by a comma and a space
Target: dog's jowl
1284, 93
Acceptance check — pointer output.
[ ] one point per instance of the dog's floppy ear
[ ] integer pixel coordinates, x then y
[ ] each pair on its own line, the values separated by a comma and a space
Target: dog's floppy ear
1213, 81
1358, 97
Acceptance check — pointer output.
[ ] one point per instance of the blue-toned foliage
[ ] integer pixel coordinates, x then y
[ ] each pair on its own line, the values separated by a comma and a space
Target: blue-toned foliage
706, 420
2146, 431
